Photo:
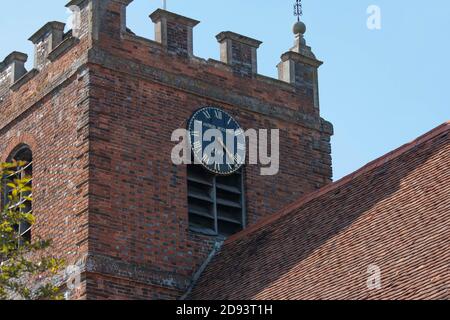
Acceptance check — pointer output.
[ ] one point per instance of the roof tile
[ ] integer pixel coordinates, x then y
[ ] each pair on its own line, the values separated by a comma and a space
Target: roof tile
393, 213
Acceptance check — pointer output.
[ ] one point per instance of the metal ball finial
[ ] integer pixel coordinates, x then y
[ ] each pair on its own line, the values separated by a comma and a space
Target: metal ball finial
299, 28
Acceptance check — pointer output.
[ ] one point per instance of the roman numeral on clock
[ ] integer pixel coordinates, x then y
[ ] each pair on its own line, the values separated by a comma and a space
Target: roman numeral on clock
218, 114
207, 114
197, 146
205, 159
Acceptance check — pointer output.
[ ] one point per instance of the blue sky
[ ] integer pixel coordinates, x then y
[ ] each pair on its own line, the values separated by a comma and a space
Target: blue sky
380, 88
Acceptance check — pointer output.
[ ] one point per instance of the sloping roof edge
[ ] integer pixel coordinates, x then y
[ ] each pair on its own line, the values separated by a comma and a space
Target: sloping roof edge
368, 167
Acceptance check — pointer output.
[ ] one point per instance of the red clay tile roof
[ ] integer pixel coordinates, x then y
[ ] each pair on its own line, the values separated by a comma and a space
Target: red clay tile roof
393, 213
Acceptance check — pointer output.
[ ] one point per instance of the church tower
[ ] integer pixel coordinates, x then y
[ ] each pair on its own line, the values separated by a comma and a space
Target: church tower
97, 112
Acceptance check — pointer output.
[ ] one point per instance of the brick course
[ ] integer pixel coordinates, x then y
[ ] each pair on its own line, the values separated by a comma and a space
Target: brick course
393, 213
99, 118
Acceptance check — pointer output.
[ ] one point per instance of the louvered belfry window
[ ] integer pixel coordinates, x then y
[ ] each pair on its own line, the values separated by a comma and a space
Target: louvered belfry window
216, 203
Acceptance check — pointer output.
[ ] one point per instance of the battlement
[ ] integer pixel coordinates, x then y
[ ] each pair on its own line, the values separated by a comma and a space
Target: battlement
102, 21
11, 69
98, 109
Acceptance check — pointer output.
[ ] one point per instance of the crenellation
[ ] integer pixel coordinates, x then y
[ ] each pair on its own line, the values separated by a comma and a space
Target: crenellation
95, 17
45, 40
68, 42
5, 79
174, 35
11, 69
82, 18
24, 79
240, 52
156, 48
174, 32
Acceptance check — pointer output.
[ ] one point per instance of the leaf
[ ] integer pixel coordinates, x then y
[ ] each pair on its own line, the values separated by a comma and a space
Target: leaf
19, 262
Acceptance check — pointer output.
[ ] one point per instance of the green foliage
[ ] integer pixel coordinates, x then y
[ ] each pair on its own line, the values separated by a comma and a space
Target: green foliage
22, 263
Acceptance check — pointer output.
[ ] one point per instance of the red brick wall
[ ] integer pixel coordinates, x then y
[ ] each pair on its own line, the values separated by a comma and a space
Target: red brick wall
139, 199
49, 114
102, 116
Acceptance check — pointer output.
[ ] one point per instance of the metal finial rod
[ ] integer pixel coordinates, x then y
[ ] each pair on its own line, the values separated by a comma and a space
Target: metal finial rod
298, 9
164, 5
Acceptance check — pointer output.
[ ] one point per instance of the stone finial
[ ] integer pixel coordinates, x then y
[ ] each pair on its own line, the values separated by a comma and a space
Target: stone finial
45, 40
175, 32
299, 66
240, 52
300, 46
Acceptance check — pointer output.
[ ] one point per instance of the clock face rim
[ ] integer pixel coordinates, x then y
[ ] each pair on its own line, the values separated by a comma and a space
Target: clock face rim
201, 162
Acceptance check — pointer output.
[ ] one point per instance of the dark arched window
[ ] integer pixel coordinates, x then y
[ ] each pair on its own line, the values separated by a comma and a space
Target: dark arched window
22, 154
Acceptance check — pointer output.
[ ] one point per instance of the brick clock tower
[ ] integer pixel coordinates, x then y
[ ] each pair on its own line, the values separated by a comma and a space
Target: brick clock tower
95, 116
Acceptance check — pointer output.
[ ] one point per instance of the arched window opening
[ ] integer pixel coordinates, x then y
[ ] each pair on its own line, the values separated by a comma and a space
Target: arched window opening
24, 157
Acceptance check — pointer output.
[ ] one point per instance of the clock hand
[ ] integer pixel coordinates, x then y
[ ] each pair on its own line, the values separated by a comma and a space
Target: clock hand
230, 155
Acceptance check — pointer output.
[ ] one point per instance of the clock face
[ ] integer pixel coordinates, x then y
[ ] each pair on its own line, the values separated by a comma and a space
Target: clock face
217, 141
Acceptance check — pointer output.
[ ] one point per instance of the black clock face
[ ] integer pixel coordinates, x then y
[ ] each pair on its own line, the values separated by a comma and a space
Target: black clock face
217, 141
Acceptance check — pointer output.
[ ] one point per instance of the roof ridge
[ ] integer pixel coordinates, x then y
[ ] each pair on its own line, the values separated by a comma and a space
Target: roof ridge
332, 186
